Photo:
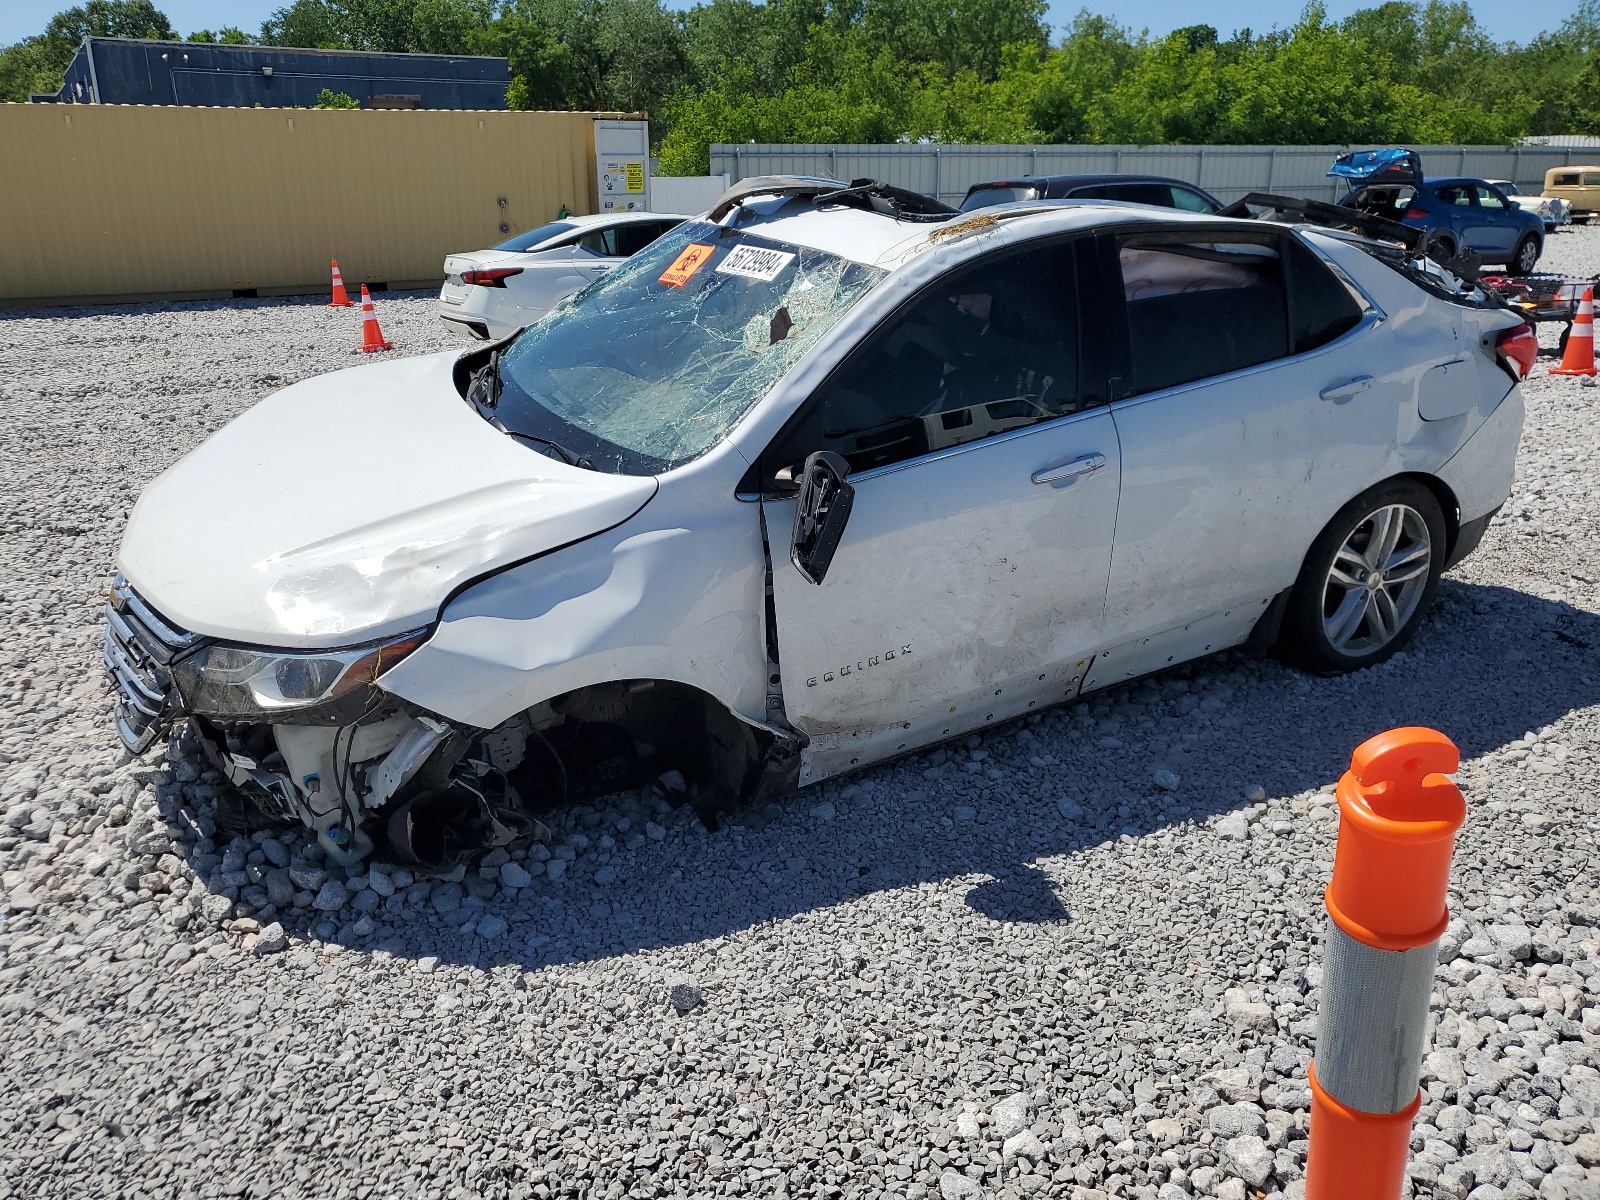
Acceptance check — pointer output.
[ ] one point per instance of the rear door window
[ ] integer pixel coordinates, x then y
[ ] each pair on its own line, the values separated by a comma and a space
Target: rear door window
1454, 194
634, 237
1591, 179
1201, 306
983, 350
601, 241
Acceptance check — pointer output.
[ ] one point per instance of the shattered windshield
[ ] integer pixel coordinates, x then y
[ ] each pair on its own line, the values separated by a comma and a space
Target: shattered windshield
652, 366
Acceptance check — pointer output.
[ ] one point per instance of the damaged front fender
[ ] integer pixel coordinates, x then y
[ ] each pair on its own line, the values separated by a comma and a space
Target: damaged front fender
665, 603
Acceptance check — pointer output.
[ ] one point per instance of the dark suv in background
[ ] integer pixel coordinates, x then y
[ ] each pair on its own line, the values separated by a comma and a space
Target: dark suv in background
1133, 189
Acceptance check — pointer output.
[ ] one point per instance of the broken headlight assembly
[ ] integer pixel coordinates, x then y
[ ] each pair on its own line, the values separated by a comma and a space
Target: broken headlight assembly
236, 683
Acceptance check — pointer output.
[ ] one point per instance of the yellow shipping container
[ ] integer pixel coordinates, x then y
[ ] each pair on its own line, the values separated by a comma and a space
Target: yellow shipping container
115, 202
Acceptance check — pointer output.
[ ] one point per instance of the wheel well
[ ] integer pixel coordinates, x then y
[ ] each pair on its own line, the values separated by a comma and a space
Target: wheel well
622, 734
1448, 505
1441, 492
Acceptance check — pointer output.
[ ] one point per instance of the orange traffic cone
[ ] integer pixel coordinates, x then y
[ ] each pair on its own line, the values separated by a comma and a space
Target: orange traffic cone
341, 298
371, 335
1579, 358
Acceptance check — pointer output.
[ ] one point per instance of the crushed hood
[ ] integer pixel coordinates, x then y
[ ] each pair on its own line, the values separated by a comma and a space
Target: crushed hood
349, 507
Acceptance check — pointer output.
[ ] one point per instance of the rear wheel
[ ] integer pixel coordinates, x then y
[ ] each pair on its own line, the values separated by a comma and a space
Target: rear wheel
1367, 580
1526, 256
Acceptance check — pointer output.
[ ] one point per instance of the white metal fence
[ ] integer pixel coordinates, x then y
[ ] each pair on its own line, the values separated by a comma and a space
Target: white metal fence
1227, 172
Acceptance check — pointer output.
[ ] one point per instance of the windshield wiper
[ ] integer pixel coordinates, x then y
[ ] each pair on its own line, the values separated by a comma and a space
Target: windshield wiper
561, 452
484, 390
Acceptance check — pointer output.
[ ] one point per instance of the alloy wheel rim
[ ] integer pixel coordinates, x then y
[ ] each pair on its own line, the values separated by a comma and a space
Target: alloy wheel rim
1376, 580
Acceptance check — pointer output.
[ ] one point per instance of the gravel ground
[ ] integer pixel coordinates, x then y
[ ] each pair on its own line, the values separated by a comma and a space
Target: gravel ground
1075, 958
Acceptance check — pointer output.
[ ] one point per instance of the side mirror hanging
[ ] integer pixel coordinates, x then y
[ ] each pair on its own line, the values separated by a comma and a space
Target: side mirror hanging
821, 511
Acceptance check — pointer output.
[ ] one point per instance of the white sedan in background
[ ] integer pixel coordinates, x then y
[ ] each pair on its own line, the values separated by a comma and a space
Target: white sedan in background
1551, 210
498, 291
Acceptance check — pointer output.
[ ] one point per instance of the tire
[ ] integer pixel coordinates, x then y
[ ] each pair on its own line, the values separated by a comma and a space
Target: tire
1526, 256
1440, 247
1336, 620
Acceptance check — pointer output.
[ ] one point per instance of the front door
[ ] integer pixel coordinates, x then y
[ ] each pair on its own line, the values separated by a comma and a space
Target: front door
970, 580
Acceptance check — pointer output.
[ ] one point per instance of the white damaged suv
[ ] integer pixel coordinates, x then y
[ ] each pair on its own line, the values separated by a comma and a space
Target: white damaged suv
826, 476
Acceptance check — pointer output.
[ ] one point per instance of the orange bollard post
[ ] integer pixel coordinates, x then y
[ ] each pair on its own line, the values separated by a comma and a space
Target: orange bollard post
1386, 912
341, 298
371, 334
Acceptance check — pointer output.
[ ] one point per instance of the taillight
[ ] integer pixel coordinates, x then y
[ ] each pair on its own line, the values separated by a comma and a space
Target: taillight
493, 277
1415, 214
1517, 349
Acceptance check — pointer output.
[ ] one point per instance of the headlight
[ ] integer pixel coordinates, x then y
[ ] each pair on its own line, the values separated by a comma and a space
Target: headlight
229, 683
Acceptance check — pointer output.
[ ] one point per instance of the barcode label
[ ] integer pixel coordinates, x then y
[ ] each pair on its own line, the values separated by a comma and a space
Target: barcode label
755, 262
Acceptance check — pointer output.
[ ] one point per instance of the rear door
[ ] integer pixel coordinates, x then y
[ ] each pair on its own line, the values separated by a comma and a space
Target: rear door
1458, 204
1245, 422
1502, 224
969, 584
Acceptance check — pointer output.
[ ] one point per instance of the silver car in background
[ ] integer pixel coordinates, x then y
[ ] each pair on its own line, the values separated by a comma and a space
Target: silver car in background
495, 292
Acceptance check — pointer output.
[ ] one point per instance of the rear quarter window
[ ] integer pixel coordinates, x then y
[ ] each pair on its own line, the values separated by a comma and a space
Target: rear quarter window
1566, 179
1321, 307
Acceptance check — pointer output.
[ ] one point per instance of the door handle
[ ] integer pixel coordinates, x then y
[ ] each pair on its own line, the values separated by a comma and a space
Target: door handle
1078, 466
1340, 392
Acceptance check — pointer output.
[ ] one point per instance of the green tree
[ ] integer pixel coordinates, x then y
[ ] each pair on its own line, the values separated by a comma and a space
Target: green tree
228, 35
328, 98
396, 26
591, 54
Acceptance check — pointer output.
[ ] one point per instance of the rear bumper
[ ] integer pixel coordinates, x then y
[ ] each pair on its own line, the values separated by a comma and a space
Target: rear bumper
489, 317
1468, 537
477, 328
1481, 472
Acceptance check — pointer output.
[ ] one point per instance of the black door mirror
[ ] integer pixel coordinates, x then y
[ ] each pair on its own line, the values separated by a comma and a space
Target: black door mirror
821, 510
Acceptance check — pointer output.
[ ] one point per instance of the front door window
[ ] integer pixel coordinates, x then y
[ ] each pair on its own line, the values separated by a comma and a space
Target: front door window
988, 349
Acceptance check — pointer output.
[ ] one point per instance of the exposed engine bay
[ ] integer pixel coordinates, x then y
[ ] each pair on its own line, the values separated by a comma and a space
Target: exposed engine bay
312, 737
415, 788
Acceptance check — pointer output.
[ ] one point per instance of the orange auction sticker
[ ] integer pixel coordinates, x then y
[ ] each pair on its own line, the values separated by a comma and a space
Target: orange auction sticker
685, 265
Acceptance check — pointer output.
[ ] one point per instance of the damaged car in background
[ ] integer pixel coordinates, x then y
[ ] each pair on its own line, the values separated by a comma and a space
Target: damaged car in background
826, 476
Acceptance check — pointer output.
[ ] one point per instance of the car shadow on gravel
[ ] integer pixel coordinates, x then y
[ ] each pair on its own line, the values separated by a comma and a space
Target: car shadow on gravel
1490, 664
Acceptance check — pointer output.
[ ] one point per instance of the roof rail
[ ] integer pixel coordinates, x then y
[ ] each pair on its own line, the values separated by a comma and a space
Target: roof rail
858, 193
1332, 216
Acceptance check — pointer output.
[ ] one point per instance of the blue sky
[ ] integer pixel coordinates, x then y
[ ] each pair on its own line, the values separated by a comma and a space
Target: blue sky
1506, 20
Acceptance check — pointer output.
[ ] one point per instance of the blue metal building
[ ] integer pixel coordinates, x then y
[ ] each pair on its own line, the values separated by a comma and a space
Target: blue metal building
131, 71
